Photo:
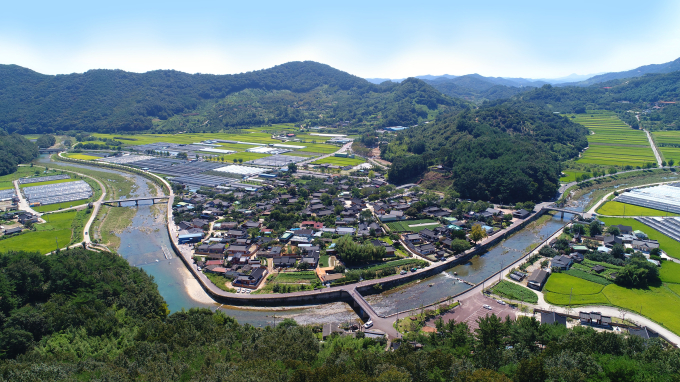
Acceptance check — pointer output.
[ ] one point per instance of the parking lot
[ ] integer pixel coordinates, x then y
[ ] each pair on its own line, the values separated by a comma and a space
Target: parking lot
473, 308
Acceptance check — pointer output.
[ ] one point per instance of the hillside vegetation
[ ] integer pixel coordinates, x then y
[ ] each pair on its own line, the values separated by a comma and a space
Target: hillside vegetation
502, 152
167, 100
81, 315
15, 149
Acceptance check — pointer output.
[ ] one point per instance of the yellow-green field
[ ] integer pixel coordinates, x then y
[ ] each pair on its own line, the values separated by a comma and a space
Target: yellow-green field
614, 208
60, 206
337, 161
668, 137
82, 156
613, 142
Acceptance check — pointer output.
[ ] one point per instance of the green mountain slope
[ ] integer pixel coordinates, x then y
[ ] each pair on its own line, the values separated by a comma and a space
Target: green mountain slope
501, 152
114, 100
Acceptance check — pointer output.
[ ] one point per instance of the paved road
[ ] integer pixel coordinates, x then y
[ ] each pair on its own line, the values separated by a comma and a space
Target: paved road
344, 148
23, 203
656, 152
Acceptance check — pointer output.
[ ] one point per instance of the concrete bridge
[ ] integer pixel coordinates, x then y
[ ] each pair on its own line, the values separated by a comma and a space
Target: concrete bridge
117, 203
50, 151
562, 210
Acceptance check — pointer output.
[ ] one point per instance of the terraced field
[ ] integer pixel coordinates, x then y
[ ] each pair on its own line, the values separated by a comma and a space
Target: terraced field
662, 138
612, 142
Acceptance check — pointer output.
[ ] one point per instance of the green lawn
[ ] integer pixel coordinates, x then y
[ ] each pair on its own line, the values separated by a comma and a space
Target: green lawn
44, 239
513, 291
229, 158
614, 208
670, 272
59, 206
292, 277
668, 245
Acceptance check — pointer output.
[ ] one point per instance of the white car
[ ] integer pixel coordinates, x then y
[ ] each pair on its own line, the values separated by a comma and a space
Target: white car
487, 307
368, 324
500, 302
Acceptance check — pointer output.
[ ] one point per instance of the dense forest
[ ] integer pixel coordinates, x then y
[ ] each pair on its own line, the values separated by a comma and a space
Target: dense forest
15, 149
166, 100
82, 315
502, 152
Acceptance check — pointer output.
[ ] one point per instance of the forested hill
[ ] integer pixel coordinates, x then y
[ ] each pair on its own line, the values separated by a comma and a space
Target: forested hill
166, 100
667, 67
617, 95
80, 316
501, 152
15, 149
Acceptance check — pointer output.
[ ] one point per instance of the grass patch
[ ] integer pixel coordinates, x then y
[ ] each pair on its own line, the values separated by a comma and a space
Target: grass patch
515, 292
229, 158
22, 172
294, 277
570, 176
614, 208
116, 220
668, 245
48, 182
219, 281
60, 206
46, 237
324, 260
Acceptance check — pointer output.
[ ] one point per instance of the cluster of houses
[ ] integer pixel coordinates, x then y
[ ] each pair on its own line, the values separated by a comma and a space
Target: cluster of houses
233, 231
22, 218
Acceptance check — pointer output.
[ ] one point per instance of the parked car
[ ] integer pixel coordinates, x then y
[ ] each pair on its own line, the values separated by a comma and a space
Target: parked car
487, 307
368, 324
500, 302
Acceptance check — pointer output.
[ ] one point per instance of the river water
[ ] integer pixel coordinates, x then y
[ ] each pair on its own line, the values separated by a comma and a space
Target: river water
144, 244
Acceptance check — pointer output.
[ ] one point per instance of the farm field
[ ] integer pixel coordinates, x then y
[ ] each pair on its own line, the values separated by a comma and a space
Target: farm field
614, 208
22, 172
229, 158
48, 182
404, 225
655, 302
513, 291
662, 138
59, 206
246, 135
613, 142
82, 156
46, 236
668, 245
337, 161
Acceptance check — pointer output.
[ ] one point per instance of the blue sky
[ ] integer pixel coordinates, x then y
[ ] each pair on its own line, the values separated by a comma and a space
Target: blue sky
392, 39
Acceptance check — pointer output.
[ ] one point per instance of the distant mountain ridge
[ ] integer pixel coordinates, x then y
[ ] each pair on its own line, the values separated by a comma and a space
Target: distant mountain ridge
168, 100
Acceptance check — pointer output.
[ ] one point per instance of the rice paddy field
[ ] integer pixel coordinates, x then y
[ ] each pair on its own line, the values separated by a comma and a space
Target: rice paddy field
614, 208
338, 161
612, 142
82, 156
668, 137
46, 237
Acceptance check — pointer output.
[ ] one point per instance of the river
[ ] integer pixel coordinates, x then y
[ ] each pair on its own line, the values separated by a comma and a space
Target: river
142, 244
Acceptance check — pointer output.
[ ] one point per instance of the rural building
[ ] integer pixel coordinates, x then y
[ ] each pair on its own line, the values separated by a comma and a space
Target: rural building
537, 279
561, 262
553, 318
